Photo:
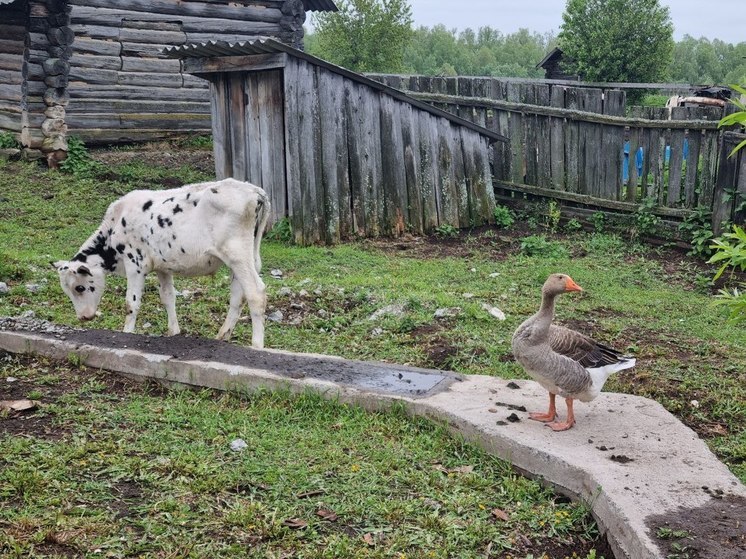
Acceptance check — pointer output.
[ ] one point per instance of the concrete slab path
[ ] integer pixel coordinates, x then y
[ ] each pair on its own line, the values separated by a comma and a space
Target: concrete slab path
636, 465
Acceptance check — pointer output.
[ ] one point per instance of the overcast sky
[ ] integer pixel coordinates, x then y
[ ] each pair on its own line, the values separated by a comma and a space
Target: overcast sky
714, 19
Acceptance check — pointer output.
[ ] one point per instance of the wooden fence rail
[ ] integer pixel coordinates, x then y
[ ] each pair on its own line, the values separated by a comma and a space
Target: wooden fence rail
580, 144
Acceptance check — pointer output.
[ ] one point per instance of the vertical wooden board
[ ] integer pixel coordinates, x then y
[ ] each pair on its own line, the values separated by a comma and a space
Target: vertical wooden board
478, 200
691, 180
374, 183
531, 124
251, 132
709, 149
633, 174
354, 116
665, 141
272, 142
739, 217
655, 187
221, 125
482, 179
544, 137
429, 175
292, 143
238, 107
613, 150
334, 157
573, 161
412, 169
448, 191
464, 195
675, 163
557, 140
392, 170
727, 176
312, 195
614, 102
517, 139
591, 101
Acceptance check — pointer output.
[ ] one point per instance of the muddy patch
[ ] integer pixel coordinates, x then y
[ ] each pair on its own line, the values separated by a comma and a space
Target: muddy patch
716, 530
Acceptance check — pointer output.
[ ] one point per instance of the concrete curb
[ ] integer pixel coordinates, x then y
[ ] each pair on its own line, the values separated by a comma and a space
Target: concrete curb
627, 457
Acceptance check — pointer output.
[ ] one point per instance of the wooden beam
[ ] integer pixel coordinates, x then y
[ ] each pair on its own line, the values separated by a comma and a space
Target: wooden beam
254, 63
589, 200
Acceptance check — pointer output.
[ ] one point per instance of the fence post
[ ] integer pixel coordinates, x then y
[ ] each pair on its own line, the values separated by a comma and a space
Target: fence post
725, 187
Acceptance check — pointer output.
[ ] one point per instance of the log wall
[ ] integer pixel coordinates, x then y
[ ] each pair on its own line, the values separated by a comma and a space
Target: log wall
13, 65
94, 68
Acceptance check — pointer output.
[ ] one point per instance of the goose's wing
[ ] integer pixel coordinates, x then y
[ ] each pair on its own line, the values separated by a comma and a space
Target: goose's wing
581, 348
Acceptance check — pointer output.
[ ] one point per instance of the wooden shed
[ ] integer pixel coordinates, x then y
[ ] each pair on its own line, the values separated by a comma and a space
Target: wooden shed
95, 68
341, 155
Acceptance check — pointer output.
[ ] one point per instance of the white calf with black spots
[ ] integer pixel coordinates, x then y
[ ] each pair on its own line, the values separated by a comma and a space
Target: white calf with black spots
187, 231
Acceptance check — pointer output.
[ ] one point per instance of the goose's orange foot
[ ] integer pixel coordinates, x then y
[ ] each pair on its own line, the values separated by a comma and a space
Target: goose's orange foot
561, 426
543, 417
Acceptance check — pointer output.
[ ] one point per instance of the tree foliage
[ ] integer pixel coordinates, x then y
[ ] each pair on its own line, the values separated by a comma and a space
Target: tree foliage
486, 52
702, 61
617, 40
364, 35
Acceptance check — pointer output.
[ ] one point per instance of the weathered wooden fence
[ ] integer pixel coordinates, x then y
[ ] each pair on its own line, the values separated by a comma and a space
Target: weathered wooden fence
577, 144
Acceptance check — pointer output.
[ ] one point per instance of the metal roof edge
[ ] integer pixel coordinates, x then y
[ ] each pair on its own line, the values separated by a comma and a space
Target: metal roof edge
262, 45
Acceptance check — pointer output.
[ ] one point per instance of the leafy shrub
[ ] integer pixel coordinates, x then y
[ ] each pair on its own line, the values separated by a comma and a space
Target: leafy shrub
605, 244
8, 140
737, 118
554, 214
598, 219
504, 217
573, 225
699, 229
446, 231
730, 250
537, 245
645, 221
79, 161
281, 231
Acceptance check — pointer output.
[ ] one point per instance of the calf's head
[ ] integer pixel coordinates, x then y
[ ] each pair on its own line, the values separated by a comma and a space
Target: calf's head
84, 285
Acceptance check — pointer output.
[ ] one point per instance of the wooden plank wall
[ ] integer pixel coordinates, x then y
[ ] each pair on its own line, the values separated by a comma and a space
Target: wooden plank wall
248, 132
559, 147
357, 162
13, 64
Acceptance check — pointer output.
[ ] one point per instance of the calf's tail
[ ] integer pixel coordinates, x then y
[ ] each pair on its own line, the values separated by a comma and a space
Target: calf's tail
262, 217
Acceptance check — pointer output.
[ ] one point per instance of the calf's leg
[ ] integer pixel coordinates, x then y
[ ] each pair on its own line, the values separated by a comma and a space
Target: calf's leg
135, 284
168, 299
234, 310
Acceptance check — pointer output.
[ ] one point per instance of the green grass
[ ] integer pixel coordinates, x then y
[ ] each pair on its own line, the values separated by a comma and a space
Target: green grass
652, 303
132, 472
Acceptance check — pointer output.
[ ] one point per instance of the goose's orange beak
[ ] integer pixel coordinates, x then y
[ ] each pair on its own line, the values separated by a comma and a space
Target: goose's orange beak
570, 285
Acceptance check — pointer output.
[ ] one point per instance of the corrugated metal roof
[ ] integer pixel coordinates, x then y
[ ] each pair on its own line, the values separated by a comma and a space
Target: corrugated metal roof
320, 5
266, 45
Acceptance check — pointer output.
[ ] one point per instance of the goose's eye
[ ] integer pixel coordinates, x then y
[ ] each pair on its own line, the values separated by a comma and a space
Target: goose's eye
80, 288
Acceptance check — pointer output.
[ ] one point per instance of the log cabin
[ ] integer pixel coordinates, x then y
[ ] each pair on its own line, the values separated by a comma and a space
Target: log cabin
95, 69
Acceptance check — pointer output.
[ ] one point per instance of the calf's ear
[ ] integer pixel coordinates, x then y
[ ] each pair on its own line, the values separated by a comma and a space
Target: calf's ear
84, 271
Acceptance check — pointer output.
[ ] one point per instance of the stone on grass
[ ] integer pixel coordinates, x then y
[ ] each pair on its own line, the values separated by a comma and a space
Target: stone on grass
395, 310
276, 273
237, 445
4, 288
447, 312
285, 292
494, 311
275, 316
33, 287
302, 293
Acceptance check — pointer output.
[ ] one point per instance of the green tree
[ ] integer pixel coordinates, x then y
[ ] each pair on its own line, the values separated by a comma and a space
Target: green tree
617, 40
364, 35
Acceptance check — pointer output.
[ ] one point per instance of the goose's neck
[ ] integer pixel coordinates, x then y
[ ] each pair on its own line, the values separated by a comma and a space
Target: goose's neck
543, 318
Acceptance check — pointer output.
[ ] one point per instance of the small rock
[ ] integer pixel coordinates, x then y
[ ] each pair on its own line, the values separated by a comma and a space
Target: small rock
4, 288
494, 274
694, 403
302, 293
285, 292
322, 312
297, 306
473, 270
276, 273
28, 314
238, 445
512, 385
494, 311
10, 153
447, 312
147, 326
376, 332
275, 316
318, 292
396, 310
33, 287
513, 418
11, 379
468, 295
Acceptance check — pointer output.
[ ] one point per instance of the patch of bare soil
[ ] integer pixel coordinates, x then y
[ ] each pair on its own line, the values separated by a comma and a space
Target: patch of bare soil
160, 154
716, 530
